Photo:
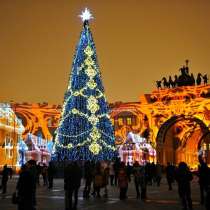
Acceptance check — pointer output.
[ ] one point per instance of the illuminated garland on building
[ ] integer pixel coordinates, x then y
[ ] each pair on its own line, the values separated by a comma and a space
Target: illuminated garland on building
85, 131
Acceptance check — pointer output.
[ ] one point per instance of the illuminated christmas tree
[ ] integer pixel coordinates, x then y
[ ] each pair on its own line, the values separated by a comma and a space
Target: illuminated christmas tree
85, 131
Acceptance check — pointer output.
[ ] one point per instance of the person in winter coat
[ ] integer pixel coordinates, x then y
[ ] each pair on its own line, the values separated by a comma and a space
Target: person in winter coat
170, 173
139, 180
123, 181
203, 179
106, 180
25, 189
158, 173
98, 180
5, 177
111, 173
184, 177
207, 198
88, 177
72, 182
50, 174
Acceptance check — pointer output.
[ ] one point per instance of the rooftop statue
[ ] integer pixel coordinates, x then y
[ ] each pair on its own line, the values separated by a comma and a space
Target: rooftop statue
184, 79
205, 79
158, 84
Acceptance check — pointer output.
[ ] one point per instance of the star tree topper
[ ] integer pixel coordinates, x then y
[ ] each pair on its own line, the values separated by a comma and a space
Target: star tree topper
86, 15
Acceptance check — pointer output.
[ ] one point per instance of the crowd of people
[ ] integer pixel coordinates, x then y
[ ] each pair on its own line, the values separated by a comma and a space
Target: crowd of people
97, 176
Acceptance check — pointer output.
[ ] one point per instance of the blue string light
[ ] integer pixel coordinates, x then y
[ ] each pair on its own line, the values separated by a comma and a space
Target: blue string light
85, 131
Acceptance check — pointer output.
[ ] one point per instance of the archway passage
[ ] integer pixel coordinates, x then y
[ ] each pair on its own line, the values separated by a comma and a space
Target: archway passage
180, 139
204, 147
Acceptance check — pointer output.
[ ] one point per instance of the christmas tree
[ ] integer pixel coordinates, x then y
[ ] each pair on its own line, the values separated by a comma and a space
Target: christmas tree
85, 130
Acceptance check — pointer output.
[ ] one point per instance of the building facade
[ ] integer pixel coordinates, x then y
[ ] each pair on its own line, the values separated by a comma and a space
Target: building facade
11, 130
174, 121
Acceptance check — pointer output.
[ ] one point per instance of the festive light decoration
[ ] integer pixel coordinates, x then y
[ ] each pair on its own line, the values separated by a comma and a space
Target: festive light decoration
11, 129
8, 119
136, 117
86, 15
85, 131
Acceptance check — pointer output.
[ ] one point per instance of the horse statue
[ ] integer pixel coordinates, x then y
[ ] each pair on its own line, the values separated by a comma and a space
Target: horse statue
199, 78
171, 82
175, 80
192, 79
165, 83
205, 79
158, 84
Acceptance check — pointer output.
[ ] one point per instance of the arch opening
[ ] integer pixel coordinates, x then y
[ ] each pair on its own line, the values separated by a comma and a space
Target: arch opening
182, 138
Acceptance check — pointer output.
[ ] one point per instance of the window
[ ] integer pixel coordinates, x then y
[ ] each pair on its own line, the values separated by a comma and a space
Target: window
129, 121
120, 121
8, 146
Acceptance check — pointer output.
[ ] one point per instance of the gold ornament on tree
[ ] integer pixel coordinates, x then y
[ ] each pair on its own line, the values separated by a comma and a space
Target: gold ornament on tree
95, 148
92, 104
88, 51
90, 72
95, 135
89, 61
91, 84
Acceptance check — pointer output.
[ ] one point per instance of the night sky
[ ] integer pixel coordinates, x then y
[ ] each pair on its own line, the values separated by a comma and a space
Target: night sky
137, 42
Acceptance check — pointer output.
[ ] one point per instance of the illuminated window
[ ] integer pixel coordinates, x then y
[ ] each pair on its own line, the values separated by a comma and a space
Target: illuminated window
129, 121
120, 121
8, 146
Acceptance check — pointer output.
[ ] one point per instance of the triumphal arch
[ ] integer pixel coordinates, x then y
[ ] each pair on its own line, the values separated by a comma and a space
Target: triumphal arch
175, 120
